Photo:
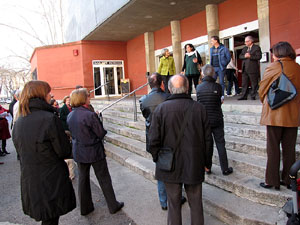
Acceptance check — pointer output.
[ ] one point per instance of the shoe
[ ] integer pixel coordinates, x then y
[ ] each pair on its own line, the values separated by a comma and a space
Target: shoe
228, 171
6, 152
252, 98
242, 98
164, 208
288, 186
183, 200
1, 163
2, 153
120, 206
267, 186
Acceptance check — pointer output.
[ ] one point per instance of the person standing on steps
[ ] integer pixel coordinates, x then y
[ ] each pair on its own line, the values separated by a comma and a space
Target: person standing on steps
251, 54
166, 68
191, 66
4, 130
148, 103
209, 93
192, 153
220, 57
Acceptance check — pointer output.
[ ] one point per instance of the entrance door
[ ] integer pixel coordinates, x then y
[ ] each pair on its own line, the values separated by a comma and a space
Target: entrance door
110, 72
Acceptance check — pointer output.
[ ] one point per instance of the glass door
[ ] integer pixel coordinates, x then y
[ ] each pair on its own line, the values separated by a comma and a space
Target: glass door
108, 74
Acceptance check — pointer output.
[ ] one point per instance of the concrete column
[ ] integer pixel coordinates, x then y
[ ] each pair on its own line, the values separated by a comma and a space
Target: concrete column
149, 49
212, 21
176, 45
264, 30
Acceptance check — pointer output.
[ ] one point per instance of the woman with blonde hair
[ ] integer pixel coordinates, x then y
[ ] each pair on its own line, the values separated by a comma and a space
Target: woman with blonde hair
87, 139
40, 140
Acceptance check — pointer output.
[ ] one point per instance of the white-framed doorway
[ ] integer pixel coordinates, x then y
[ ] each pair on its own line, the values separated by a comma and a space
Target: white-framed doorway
111, 71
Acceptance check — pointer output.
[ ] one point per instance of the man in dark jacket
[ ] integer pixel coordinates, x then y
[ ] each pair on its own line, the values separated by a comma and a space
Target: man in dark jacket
209, 93
148, 104
192, 154
220, 57
251, 54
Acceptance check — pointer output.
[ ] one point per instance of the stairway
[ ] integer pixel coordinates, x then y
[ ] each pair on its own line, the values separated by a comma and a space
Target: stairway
234, 199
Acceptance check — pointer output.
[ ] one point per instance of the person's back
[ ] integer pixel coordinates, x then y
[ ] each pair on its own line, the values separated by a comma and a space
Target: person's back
209, 93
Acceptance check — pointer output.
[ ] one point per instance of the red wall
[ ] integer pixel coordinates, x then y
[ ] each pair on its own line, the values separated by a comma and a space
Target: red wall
100, 50
162, 38
136, 62
193, 26
285, 22
58, 66
236, 12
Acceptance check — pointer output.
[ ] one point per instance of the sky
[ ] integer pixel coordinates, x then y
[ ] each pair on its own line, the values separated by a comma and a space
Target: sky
25, 16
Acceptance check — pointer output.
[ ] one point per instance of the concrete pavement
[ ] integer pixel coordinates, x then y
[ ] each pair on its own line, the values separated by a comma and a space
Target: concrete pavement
139, 194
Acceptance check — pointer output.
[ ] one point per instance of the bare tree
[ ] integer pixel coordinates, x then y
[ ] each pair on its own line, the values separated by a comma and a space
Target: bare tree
50, 15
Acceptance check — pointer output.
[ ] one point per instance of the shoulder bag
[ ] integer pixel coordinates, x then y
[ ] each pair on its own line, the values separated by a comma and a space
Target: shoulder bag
166, 155
281, 91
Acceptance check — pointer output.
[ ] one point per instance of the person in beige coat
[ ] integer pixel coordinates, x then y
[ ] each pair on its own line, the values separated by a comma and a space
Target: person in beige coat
282, 123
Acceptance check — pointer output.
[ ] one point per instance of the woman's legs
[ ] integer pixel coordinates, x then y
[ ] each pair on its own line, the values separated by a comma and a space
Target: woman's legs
84, 189
273, 155
229, 75
288, 142
4, 147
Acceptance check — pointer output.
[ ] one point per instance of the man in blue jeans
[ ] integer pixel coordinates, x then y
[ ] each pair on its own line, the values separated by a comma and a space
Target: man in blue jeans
220, 57
148, 104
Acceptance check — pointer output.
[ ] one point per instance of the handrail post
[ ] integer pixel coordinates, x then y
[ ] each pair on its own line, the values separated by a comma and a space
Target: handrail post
107, 92
134, 105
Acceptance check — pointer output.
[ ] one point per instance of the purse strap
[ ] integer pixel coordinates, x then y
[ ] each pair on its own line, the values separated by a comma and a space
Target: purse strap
281, 66
184, 124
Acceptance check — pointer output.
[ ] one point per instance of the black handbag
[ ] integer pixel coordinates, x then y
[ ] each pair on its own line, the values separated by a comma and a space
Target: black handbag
281, 91
166, 155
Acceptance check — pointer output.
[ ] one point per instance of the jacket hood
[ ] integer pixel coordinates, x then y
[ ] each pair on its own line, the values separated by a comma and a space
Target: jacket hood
40, 104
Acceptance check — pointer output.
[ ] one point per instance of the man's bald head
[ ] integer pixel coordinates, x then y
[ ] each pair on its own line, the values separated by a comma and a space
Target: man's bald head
178, 84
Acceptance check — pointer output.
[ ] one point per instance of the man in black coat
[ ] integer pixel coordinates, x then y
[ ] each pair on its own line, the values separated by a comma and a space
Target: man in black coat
209, 93
148, 104
251, 54
192, 154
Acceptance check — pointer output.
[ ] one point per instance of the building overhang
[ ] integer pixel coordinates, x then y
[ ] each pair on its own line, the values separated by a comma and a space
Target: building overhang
140, 16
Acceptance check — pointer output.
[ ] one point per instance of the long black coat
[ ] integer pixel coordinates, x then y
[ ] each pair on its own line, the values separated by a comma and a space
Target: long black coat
87, 135
63, 115
42, 144
193, 153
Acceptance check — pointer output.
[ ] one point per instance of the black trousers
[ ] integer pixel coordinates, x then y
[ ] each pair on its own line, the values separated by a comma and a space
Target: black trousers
166, 79
3, 144
218, 135
253, 77
194, 195
287, 136
104, 179
53, 221
191, 79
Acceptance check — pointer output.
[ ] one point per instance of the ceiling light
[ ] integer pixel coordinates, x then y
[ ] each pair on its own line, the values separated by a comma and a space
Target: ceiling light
148, 17
172, 3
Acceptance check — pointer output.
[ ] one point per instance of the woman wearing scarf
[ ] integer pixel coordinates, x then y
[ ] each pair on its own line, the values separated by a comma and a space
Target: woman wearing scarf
190, 66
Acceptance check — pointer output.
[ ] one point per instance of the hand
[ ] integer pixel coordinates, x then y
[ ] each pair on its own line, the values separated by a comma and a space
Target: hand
195, 60
182, 73
247, 55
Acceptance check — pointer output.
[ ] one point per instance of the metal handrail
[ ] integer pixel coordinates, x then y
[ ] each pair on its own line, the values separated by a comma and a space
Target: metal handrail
99, 87
125, 96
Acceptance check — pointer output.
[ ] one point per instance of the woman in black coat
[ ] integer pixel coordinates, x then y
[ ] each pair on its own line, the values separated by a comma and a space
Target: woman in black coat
88, 150
64, 112
42, 144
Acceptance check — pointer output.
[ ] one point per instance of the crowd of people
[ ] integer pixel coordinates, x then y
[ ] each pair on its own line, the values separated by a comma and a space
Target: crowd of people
48, 138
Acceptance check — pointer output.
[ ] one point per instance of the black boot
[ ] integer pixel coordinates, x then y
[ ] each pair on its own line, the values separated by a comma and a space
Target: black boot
2, 153
5, 152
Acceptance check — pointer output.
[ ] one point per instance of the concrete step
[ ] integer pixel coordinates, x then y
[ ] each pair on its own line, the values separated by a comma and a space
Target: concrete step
242, 184
215, 200
247, 187
139, 125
